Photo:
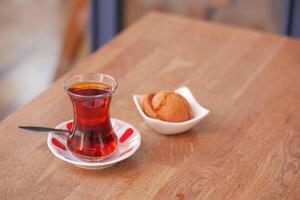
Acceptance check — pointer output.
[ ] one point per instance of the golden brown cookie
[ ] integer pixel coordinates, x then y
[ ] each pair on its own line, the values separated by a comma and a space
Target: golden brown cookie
147, 105
170, 106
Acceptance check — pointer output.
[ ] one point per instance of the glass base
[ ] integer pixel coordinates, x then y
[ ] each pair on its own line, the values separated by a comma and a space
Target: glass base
93, 159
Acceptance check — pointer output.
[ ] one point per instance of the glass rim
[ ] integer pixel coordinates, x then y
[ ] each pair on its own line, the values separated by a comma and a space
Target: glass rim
114, 86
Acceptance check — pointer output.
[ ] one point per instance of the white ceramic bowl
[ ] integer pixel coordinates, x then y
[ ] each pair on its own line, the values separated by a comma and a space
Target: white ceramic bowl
170, 128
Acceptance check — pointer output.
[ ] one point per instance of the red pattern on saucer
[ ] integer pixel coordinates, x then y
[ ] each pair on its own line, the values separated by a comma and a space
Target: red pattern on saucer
129, 142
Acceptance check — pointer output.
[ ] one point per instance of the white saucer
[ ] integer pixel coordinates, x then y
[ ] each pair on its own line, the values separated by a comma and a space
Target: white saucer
129, 142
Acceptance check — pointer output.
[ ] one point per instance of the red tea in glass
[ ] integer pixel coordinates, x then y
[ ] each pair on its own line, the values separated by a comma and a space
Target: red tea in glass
92, 136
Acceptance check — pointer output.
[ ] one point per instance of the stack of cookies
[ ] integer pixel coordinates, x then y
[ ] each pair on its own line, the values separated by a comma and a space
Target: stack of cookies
167, 106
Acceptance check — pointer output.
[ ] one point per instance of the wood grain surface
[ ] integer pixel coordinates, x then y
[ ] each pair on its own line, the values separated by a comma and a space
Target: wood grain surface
247, 148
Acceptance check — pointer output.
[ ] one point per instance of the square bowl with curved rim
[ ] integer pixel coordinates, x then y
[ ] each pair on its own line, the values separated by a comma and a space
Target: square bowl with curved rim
170, 128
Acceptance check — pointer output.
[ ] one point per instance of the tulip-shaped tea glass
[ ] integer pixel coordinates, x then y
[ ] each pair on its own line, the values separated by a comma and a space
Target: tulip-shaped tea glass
92, 137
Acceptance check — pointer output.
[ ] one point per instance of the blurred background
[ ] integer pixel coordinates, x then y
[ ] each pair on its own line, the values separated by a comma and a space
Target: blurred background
42, 39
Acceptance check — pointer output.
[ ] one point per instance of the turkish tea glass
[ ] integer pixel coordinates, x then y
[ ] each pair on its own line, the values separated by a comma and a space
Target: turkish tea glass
92, 137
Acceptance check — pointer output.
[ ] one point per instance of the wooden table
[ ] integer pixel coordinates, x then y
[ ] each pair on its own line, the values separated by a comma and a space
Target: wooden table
247, 148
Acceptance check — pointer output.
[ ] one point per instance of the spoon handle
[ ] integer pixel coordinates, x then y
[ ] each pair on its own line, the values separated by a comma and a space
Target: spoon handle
42, 129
